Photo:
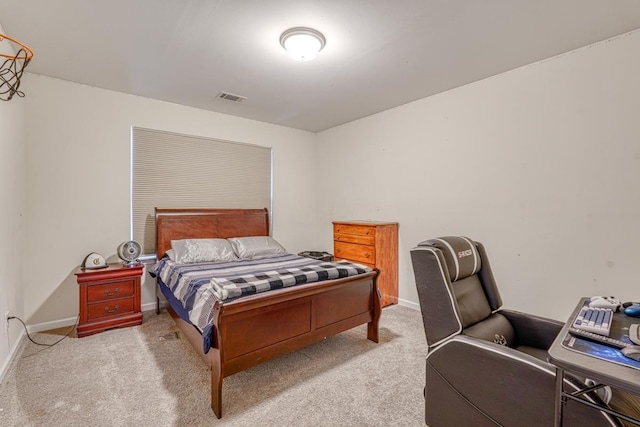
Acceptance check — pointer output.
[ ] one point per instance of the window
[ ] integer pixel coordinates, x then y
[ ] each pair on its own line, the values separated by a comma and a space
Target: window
171, 170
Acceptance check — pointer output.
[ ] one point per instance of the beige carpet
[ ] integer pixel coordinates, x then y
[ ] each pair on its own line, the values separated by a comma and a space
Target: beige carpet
146, 375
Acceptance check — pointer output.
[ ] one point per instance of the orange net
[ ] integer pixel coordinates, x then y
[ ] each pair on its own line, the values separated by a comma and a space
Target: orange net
11, 69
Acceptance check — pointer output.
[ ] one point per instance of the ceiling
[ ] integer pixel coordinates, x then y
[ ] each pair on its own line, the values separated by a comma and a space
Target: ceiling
379, 53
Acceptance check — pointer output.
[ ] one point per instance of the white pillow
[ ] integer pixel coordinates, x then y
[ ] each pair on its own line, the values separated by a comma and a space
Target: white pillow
250, 247
202, 250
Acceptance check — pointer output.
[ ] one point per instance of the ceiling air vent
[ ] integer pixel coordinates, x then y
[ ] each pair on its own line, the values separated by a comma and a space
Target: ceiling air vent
231, 97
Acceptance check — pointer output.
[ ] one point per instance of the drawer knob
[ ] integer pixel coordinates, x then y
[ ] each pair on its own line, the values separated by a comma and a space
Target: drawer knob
109, 293
338, 250
367, 255
113, 310
367, 233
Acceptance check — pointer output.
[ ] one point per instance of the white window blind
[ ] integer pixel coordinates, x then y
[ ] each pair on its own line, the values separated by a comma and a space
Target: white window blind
171, 170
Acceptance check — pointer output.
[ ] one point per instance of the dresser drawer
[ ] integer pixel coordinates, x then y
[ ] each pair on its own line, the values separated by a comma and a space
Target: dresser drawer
355, 252
373, 244
113, 307
109, 291
358, 230
354, 238
354, 234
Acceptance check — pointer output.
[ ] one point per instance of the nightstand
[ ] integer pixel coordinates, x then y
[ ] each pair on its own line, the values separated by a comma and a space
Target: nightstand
374, 244
109, 298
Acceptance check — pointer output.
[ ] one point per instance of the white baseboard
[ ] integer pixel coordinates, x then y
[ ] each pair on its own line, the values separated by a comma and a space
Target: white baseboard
46, 326
70, 321
409, 304
152, 305
39, 327
12, 355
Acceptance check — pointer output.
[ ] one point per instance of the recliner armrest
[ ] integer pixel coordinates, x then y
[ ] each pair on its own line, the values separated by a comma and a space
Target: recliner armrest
533, 331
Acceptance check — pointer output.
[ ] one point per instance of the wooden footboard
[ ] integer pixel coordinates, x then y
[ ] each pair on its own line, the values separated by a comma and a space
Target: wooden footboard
252, 331
257, 328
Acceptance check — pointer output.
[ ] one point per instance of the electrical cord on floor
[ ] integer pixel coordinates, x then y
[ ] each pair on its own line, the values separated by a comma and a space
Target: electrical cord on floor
42, 344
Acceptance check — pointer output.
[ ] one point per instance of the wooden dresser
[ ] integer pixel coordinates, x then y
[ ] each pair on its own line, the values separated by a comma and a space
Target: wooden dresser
374, 244
109, 298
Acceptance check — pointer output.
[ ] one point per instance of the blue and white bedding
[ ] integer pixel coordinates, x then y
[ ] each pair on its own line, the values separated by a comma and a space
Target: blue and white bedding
197, 286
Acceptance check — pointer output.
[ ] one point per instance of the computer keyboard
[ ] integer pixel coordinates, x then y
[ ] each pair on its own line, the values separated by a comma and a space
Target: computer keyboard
592, 319
581, 333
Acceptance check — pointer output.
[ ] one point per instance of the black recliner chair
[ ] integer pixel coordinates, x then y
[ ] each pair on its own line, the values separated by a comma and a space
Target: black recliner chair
486, 366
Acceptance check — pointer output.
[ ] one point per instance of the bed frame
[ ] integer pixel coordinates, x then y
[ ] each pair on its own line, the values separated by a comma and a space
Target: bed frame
260, 327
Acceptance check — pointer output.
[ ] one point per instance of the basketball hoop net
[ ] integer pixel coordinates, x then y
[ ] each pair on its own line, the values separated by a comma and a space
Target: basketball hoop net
11, 69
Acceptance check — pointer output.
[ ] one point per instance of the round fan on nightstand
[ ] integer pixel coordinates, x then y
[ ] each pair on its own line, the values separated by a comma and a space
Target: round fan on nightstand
129, 252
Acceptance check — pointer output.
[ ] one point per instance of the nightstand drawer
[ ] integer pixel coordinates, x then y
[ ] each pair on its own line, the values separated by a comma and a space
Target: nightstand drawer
109, 298
355, 252
109, 291
110, 308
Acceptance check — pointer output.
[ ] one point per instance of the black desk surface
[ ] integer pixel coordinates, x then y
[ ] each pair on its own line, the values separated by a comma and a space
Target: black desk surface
596, 368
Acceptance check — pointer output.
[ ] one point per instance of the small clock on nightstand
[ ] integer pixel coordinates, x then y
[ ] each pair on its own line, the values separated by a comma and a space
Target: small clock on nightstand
109, 298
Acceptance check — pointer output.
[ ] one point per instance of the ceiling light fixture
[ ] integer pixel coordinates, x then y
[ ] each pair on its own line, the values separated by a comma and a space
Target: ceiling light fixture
302, 43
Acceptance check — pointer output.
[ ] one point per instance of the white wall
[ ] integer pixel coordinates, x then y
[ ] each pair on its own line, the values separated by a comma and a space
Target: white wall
12, 217
541, 164
78, 180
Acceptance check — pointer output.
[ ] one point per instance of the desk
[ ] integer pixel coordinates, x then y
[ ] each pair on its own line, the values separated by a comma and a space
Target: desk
601, 371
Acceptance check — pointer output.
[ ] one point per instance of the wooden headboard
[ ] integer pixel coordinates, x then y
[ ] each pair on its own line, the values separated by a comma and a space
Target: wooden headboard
176, 224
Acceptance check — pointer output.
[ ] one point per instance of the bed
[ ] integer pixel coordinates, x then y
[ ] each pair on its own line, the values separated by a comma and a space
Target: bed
255, 328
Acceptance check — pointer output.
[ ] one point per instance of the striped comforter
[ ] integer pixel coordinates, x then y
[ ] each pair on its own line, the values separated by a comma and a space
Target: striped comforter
198, 286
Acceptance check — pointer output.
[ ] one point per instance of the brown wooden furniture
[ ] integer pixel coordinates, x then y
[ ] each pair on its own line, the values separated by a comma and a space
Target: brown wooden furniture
374, 244
109, 298
260, 327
